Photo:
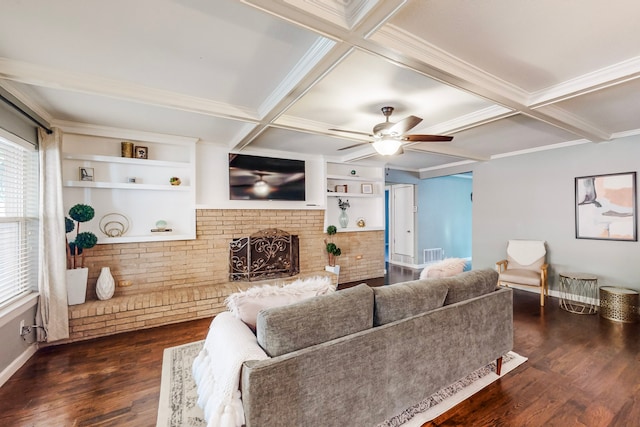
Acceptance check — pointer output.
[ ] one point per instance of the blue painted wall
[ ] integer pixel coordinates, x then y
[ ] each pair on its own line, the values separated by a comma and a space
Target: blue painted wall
444, 217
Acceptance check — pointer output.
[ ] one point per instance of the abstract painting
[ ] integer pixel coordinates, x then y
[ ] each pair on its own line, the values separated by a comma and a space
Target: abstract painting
606, 207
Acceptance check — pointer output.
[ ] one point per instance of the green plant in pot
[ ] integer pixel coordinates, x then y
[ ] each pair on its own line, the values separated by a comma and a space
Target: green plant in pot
332, 249
83, 240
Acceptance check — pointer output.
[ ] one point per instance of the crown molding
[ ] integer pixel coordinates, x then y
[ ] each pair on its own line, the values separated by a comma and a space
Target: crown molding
344, 13
445, 166
600, 79
542, 148
471, 120
572, 123
83, 83
400, 40
121, 133
316, 53
445, 150
36, 108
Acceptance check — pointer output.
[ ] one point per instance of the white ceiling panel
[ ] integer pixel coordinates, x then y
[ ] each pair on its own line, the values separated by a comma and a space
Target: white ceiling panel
532, 44
614, 109
350, 97
299, 142
220, 49
502, 77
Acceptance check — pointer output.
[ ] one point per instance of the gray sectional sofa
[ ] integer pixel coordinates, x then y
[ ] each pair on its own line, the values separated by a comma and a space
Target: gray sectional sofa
362, 355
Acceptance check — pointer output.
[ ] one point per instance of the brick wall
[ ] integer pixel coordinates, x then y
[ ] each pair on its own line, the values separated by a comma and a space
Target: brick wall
157, 266
175, 281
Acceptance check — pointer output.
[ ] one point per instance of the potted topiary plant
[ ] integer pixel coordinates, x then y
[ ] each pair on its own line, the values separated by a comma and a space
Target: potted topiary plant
332, 249
77, 273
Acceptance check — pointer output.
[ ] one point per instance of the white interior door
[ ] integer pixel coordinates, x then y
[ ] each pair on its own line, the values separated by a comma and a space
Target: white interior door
403, 220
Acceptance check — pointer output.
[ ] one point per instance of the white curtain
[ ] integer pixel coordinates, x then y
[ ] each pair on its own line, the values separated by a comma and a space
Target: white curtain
53, 312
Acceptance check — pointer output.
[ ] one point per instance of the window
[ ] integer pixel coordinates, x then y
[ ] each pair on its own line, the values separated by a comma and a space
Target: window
18, 217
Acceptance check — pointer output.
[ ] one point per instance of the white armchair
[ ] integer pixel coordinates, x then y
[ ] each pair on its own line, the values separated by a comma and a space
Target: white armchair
525, 265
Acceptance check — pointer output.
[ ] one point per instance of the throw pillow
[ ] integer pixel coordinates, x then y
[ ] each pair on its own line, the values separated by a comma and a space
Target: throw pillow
446, 268
246, 305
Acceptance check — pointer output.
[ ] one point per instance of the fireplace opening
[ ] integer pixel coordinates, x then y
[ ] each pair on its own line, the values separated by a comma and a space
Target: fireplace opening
267, 254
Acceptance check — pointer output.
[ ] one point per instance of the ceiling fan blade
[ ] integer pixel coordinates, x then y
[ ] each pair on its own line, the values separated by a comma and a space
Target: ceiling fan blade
427, 138
404, 125
352, 146
351, 131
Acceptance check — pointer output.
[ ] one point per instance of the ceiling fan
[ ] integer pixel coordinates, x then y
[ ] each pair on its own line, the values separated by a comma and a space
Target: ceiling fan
388, 136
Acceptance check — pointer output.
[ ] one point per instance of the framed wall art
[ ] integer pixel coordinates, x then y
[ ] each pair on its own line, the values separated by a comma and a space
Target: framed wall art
606, 207
141, 152
367, 188
85, 174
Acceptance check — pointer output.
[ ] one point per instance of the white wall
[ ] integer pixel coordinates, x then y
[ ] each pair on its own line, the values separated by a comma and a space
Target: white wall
212, 171
532, 196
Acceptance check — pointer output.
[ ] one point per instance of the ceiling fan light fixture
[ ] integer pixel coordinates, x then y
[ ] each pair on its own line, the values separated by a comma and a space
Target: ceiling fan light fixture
387, 146
261, 188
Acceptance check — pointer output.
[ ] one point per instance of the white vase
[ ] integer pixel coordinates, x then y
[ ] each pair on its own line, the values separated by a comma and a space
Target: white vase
105, 286
77, 285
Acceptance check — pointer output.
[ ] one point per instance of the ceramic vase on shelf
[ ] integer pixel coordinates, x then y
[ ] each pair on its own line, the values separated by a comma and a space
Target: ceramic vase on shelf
106, 286
343, 219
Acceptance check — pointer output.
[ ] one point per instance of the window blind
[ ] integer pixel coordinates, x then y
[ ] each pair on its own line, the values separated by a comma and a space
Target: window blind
18, 218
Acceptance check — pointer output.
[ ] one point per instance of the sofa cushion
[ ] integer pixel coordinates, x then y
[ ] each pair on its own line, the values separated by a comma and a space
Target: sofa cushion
281, 330
245, 305
470, 284
407, 299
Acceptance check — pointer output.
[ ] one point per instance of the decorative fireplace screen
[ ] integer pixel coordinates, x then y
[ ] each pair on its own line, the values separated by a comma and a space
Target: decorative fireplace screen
266, 254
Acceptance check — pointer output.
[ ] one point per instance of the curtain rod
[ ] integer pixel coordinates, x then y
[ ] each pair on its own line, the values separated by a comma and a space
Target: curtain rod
24, 110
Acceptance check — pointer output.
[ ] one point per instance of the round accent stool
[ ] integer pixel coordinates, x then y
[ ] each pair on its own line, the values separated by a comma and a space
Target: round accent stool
578, 292
619, 304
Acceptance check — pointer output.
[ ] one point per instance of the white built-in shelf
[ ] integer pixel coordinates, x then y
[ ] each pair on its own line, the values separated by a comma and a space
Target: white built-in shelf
368, 206
126, 186
151, 198
125, 160
346, 195
351, 178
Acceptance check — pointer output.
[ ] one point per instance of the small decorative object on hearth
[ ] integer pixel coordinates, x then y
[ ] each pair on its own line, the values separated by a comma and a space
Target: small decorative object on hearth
84, 240
343, 218
174, 180
332, 249
361, 223
77, 273
106, 285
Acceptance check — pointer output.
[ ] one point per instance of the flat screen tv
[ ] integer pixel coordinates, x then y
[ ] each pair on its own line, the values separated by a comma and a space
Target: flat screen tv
265, 178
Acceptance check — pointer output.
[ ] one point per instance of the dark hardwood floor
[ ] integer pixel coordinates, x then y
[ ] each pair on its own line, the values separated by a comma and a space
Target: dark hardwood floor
582, 371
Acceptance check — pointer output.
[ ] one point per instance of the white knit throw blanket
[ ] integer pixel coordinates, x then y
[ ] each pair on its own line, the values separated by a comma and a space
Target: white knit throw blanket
216, 370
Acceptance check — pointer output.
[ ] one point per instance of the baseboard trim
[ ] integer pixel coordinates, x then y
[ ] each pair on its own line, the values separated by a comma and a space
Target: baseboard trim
18, 363
553, 293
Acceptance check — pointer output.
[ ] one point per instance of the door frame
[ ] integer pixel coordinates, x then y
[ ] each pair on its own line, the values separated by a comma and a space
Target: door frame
403, 260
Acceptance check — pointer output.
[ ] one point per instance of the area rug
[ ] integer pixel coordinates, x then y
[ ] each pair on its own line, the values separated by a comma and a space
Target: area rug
178, 407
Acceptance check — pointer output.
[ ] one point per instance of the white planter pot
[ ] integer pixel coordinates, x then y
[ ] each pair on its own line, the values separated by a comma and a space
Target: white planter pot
335, 269
77, 285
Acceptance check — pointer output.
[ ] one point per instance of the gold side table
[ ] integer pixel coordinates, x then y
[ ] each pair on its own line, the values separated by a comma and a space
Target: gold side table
578, 293
619, 304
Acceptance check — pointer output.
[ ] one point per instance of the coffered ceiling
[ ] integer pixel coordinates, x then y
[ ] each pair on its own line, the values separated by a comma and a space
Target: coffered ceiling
275, 76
